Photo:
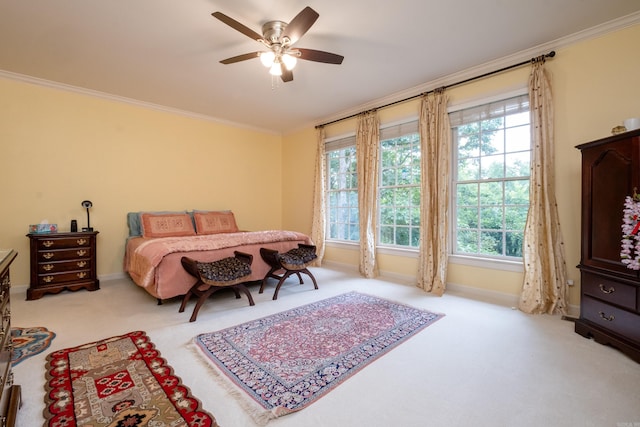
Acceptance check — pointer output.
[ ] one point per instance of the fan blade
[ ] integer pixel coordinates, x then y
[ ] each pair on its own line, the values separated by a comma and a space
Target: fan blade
300, 24
241, 58
237, 26
287, 75
320, 56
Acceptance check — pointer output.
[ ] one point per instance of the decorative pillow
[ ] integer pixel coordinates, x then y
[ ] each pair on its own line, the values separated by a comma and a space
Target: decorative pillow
166, 225
214, 222
135, 223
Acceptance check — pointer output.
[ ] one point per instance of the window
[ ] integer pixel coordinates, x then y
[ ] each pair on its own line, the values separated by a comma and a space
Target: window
492, 157
342, 190
399, 186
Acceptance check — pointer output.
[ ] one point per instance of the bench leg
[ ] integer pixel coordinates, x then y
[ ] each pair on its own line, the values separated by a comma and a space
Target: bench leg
201, 301
308, 273
187, 296
244, 289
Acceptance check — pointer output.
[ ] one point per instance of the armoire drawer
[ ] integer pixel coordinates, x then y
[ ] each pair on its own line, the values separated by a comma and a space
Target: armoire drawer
613, 318
610, 291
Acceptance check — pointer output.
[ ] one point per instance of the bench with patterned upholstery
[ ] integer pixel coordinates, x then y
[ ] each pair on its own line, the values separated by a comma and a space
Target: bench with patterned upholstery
294, 261
227, 273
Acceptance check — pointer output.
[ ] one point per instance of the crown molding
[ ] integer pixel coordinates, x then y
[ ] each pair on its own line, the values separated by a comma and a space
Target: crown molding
524, 55
110, 97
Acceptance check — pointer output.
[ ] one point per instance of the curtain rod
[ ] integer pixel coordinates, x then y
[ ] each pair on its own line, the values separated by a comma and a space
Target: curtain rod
548, 55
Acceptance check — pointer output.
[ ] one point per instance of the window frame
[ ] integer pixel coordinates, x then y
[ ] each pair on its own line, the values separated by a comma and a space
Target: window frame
478, 260
388, 132
332, 145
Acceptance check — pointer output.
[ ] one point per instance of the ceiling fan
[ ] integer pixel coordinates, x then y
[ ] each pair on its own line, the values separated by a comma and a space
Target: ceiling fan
279, 37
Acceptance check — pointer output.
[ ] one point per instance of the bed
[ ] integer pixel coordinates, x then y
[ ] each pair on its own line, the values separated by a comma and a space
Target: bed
158, 240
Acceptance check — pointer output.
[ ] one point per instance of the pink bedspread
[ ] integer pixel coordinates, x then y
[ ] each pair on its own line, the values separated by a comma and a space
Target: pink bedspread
154, 263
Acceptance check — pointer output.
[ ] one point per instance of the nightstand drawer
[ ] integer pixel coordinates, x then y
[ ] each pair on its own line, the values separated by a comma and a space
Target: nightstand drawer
63, 254
615, 319
610, 291
62, 243
70, 276
61, 266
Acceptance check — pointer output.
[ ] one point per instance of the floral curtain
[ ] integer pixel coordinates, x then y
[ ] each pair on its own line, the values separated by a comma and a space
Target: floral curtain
435, 136
544, 287
319, 207
367, 153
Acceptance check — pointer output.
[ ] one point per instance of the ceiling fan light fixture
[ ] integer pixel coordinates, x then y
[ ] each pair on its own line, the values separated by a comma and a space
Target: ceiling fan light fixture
289, 61
267, 58
275, 69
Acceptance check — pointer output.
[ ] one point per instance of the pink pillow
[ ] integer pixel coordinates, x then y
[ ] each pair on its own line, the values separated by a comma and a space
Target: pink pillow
214, 222
166, 225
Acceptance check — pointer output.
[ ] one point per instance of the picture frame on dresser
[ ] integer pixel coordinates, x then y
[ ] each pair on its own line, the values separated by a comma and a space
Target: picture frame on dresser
62, 261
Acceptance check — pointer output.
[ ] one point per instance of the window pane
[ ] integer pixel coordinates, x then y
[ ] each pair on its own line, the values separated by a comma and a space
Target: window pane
491, 193
515, 217
386, 235
492, 167
516, 192
402, 236
491, 218
467, 217
467, 194
518, 164
342, 195
493, 142
467, 241
468, 169
519, 138
491, 243
492, 148
399, 187
513, 242
517, 119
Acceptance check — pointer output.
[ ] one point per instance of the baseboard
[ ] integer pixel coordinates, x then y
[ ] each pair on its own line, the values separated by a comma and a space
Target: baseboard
495, 297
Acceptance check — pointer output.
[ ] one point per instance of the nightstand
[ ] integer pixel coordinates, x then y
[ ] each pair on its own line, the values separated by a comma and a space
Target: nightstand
62, 261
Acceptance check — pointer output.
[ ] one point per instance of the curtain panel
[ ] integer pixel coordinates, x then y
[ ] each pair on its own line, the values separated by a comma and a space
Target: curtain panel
318, 224
368, 153
435, 136
544, 287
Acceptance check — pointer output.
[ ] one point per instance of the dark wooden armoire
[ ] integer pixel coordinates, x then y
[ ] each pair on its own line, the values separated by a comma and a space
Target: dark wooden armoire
610, 291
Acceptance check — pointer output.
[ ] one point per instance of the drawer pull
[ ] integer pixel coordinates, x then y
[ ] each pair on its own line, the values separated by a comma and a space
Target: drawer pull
47, 279
48, 255
81, 263
605, 317
82, 275
607, 291
47, 243
81, 252
81, 242
47, 267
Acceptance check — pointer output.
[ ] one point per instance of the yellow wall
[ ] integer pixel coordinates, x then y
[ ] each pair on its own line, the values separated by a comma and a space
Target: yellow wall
596, 85
59, 148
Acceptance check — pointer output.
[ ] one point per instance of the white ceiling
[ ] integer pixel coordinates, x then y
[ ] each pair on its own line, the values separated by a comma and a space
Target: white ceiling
166, 52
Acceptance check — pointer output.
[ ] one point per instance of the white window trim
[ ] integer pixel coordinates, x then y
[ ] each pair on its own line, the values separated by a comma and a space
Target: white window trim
479, 261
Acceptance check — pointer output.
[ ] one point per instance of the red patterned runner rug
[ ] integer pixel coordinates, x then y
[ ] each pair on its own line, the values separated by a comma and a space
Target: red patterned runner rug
282, 363
119, 381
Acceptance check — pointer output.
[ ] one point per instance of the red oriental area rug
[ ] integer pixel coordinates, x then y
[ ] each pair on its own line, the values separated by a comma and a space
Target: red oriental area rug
282, 363
119, 381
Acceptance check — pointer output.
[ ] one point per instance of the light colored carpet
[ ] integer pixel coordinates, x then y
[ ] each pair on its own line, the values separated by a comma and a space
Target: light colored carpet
484, 364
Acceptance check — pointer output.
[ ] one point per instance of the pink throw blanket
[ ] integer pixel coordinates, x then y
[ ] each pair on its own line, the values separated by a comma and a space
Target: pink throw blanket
142, 261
